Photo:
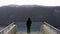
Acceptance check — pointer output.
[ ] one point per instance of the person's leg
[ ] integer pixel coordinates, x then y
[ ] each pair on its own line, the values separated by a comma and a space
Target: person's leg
28, 29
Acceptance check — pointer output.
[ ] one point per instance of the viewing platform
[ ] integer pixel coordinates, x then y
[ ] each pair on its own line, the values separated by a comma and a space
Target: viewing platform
10, 29
28, 33
44, 28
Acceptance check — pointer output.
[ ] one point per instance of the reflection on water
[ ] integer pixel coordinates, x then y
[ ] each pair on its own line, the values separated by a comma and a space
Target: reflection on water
35, 27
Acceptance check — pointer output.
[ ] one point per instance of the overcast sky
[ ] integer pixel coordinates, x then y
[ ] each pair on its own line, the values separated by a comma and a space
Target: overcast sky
31, 2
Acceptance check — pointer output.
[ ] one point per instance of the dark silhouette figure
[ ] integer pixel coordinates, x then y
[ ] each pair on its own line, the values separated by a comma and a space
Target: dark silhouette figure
28, 24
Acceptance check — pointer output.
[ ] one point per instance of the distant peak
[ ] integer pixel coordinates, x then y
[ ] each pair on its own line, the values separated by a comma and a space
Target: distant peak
13, 5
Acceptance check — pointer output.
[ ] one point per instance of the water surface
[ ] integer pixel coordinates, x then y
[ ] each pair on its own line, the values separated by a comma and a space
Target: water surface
35, 26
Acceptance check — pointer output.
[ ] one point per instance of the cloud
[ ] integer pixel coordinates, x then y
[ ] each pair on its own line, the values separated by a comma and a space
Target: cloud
31, 2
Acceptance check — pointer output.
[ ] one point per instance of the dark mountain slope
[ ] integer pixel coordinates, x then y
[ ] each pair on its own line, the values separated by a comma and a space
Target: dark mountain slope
21, 13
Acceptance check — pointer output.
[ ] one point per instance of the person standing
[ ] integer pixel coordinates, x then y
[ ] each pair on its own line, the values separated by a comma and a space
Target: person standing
28, 24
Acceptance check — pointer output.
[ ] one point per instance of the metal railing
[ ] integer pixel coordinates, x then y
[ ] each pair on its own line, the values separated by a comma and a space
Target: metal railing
51, 28
6, 29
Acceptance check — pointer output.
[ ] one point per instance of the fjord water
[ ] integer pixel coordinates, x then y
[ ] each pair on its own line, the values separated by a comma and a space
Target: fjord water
35, 26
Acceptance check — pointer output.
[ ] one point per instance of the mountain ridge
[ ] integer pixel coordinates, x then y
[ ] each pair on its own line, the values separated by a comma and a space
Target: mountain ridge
21, 13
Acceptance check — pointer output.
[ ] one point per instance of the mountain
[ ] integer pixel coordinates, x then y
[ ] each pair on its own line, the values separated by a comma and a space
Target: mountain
35, 12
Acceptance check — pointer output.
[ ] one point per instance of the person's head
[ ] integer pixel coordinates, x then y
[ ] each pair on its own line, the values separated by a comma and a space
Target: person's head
28, 18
